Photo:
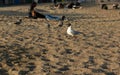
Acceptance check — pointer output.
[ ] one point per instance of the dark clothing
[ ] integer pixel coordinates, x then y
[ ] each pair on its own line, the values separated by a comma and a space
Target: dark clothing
33, 5
37, 15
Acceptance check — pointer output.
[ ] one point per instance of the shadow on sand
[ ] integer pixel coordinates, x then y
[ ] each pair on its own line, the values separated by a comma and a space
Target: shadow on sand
19, 13
13, 13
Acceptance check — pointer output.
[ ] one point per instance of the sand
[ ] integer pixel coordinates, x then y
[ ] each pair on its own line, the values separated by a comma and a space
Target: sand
32, 49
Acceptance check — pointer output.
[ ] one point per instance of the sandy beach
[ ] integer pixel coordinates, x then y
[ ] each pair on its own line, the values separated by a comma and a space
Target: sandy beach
32, 49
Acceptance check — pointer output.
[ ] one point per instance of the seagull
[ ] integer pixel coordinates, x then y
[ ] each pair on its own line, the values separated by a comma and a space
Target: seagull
18, 22
60, 23
71, 32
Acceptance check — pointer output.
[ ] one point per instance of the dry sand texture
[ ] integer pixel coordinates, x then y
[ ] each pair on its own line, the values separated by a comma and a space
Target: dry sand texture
31, 49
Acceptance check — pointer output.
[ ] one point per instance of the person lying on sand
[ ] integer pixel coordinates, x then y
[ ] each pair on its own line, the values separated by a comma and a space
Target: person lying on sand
35, 14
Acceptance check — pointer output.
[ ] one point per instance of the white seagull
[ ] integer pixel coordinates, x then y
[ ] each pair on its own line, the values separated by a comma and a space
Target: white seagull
71, 32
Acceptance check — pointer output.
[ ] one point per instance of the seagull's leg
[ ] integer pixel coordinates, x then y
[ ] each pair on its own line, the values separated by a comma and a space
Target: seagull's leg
48, 29
48, 26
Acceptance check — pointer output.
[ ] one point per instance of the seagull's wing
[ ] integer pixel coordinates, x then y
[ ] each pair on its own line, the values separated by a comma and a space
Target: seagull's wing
75, 32
60, 24
17, 22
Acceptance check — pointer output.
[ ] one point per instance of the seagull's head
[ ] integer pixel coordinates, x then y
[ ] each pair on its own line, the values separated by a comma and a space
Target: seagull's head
20, 20
69, 24
63, 18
